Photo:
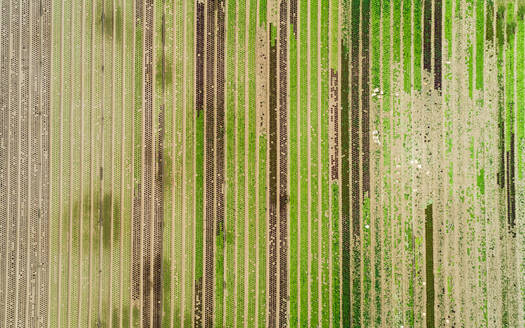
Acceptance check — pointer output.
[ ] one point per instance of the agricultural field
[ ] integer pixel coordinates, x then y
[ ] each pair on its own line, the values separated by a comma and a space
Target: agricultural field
262, 163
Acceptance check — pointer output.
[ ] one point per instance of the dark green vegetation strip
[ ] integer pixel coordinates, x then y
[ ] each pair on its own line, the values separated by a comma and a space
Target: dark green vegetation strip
159, 117
429, 266
149, 278
510, 31
427, 35
137, 169
438, 41
355, 169
219, 164
209, 111
283, 164
346, 180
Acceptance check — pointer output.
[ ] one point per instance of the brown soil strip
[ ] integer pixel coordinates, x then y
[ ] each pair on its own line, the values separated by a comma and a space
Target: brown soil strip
157, 287
219, 157
199, 59
354, 134
272, 224
334, 117
147, 284
210, 161
148, 162
159, 195
355, 262
283, 165
159, 214
137, 204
